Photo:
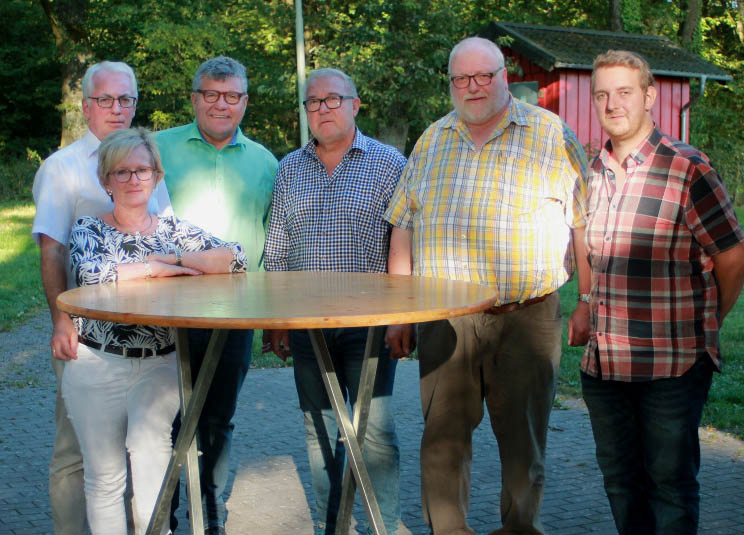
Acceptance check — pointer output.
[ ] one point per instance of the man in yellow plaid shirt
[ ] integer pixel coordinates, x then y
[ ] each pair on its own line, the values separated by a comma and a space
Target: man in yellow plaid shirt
492, 193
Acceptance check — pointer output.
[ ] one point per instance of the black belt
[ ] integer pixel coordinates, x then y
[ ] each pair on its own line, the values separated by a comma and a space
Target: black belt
128, 352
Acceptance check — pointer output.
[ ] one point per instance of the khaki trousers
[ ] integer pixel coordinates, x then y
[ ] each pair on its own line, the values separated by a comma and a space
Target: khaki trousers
66, 494
510, 361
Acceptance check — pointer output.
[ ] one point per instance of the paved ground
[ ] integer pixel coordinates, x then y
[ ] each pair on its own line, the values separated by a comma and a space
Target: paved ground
269, 490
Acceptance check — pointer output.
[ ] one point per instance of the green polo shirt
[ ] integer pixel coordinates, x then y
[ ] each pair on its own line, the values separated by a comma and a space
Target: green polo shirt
226, 192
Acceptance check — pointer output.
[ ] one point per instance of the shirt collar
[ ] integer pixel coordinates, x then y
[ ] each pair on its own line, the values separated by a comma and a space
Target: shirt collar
644, 149
238, 137
90, 143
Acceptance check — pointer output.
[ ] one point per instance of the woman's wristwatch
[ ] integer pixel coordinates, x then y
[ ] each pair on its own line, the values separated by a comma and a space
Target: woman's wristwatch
585, 298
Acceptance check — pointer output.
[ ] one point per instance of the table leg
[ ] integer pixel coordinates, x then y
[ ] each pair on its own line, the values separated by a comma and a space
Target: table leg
375, 336
191, 407
348, 434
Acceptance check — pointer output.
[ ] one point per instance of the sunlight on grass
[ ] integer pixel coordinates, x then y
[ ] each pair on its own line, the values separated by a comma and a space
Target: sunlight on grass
21, 293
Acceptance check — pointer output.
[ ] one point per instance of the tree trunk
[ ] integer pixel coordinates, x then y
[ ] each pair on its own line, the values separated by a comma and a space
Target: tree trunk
394, 132
616, 16
690, 24
67, 21
740, 21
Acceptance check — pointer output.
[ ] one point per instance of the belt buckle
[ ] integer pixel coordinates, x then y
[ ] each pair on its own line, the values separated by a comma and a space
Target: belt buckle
136, 352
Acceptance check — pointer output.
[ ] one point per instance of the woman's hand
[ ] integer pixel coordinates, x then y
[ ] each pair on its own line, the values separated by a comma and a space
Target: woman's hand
165, 269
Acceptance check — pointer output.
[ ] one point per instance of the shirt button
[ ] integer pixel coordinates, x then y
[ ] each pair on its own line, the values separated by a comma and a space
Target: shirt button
607, 238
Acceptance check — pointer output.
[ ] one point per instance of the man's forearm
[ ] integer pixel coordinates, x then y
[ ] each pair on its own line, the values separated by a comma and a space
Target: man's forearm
728, 267
53, 273
583, 269
399, 257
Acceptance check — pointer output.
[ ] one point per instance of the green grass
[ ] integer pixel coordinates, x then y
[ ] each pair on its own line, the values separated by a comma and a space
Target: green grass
21, 293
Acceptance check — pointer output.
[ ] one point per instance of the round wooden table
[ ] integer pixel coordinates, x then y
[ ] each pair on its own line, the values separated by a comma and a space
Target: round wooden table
276, 300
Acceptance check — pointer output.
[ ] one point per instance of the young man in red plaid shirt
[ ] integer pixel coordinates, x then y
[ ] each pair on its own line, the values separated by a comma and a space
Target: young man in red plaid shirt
667, 264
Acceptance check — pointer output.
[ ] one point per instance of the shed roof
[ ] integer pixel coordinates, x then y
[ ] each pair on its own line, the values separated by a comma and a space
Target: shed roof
553, 47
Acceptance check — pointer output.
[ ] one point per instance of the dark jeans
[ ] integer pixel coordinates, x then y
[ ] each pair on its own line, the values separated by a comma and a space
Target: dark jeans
215, 429
325, 450
648, 448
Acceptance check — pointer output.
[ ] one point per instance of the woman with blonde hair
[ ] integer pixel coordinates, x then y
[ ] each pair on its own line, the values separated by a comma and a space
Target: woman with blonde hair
121, 392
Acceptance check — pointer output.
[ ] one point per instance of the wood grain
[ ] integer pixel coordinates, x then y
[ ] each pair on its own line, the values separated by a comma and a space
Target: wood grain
278, 300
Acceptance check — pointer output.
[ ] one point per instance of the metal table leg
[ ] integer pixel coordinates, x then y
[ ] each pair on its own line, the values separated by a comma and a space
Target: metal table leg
353, 435
185, 447
375, 337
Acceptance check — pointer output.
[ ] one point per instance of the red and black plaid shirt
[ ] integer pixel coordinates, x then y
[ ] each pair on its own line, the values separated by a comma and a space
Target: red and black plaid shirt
654, 297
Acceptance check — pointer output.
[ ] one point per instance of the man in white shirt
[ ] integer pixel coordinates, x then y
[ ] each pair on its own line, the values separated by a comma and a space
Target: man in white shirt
66, 187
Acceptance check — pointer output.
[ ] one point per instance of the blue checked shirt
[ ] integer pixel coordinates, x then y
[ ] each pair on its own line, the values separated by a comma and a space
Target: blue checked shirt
322, 223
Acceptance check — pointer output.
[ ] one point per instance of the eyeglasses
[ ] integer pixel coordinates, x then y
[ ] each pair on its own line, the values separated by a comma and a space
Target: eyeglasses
210, 97
461, 81
143, 174
331, 101
125, 101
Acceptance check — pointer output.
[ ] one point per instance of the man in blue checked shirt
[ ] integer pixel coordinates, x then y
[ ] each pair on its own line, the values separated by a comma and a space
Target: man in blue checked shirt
329, 198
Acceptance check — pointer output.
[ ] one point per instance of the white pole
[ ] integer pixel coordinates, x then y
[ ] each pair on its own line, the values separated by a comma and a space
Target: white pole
300, 45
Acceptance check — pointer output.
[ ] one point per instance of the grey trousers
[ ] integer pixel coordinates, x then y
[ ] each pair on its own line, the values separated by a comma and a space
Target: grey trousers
510, 361
66, 494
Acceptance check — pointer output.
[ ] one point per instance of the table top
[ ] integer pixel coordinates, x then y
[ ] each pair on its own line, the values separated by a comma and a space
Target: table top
278, 300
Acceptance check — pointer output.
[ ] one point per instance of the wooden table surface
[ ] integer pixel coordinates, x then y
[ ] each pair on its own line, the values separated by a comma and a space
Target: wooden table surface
278, 300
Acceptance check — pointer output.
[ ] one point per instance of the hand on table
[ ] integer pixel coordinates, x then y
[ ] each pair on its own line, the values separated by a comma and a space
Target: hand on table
162, 268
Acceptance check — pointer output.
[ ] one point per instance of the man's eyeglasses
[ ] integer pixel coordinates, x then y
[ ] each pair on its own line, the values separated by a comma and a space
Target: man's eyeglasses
210, 97
125, 175
331, 101
461, 81
125, 101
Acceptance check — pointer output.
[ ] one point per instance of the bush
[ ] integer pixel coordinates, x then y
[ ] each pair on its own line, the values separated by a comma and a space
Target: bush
17, 176
716, 130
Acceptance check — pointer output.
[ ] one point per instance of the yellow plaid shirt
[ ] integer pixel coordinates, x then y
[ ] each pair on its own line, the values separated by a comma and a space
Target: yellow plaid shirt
500, 216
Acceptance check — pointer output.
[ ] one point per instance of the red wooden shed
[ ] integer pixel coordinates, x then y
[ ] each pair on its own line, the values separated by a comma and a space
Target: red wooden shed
559, 61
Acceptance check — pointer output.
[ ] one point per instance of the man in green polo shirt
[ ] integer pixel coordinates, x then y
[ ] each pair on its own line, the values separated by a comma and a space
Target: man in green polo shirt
221, 181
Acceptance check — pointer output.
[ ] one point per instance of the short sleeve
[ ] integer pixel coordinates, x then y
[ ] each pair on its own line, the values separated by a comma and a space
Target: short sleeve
710, 213
398, 212
55, 194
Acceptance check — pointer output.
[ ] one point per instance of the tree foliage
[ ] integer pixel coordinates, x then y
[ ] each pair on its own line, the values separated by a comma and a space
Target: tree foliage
395, 50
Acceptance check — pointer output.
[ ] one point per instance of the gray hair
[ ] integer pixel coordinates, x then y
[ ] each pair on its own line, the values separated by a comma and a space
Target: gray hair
106, 67
118, 145
469, 41
220, 68
328, 72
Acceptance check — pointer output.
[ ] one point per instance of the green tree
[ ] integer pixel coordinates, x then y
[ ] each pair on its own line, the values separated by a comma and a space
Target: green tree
29, 78
68, 22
